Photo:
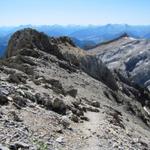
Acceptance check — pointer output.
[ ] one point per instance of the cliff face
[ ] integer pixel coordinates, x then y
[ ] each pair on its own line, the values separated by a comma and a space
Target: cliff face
56, 96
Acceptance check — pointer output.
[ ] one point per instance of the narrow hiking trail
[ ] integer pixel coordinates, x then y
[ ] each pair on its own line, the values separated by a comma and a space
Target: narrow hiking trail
90, 130
96, 132
89, 134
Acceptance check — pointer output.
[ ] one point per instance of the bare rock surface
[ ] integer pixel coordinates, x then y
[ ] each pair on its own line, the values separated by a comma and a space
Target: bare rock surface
128, 55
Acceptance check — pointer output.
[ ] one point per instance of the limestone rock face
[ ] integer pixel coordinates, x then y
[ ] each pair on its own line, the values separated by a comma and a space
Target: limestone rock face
27, 38
97, 69
128, 55
30, 39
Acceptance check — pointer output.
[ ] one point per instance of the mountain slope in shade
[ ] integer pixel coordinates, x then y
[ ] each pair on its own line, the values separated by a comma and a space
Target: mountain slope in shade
129, 55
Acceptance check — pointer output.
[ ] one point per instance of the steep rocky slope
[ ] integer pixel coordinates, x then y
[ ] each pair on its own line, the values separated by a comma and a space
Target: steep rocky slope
63, 48
52, 97
130, 56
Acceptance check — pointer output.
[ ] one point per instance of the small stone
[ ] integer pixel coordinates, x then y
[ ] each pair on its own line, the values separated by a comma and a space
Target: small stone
14, 79
135, 140
82, 108
48, 104
17, 78
56, 86
60, 140
74, 118
84, 118
10, 98
115, 145
81, 121
19, 101
3, 147
14, 116
72, 92
30, 96
4, 91
142, 142
65, 121
92, 109
18, 145
37, 82
74, 110
79, 112
39, 98
59, 131
47, 86
95, 104
59, 106
3, 100
21, 92
32, 105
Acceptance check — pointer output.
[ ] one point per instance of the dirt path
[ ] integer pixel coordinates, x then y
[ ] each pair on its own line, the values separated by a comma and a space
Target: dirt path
90, 130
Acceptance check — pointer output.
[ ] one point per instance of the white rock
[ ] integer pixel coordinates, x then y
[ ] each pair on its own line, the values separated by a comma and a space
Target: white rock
65, 121
3, 147
147, 110
60, 140
10, 98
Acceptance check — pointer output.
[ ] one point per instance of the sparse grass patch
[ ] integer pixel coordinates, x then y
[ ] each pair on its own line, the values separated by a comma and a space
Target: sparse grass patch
40, 145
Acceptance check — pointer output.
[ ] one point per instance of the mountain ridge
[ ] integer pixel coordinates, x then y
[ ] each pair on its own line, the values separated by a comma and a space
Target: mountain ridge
83, 36
129, 55
48, 97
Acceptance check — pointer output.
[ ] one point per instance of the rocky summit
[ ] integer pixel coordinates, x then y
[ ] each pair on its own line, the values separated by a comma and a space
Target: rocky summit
55, 96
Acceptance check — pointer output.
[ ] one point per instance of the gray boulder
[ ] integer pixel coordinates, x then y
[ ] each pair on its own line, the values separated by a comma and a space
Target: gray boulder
59, 105
3, 100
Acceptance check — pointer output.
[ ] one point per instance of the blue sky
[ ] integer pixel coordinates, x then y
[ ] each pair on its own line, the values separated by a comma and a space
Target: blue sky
82, 12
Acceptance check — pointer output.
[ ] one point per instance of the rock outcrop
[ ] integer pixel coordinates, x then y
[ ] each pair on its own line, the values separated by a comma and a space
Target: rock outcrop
63, 48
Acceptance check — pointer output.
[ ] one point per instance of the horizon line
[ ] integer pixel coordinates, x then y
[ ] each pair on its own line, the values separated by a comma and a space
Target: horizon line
66, 25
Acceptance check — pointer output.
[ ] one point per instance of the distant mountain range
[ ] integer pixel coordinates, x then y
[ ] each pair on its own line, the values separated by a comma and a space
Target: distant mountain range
83, 36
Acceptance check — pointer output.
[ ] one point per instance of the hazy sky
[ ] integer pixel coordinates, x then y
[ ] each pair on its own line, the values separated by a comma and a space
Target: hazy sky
83, 12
